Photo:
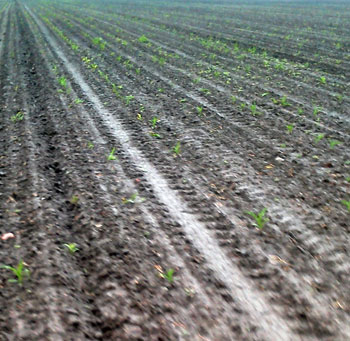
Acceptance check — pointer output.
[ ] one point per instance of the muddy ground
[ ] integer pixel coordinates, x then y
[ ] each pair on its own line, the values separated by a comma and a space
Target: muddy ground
149, 167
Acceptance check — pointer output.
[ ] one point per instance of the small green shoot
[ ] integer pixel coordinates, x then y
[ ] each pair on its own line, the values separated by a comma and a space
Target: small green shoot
155, 135
199, 110
346, 203
284, 102
154, 122
319, 137
90, 145
143, 39
74, 199
128, 99
17, 117
20, 271
168, 275
259, 218
133, 199
111, 156
333, 143
323, 80
177, 148
290, 128
72, 247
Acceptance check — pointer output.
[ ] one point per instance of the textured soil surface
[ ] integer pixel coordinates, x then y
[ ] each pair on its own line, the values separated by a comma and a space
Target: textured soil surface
142, 134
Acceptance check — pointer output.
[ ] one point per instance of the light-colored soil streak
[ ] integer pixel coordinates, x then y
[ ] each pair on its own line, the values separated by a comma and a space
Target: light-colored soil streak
242, 290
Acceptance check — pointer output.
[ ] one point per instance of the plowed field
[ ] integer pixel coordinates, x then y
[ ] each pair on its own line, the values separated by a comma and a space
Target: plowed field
135, 137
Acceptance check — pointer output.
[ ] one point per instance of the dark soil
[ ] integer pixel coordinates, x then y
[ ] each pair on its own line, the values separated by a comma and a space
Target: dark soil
153, 208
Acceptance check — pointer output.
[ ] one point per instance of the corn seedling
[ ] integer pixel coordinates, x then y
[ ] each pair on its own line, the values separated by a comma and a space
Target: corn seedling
177, 148
168, 275
20, 271
284, 102
300, 111
346, 203
72, 247
253, 109
154, 122
63, 82
143, 39
111, 155
316, 111
323, 80
259, 218
74, 199
199, 110
90, 145
139, 117
17, 117
133, 199
333, 143
128, 99
319, 137
155, 135
233, 99
290, 128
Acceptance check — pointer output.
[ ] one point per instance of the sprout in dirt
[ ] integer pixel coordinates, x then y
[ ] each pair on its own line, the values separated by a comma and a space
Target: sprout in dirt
71, 247
111, 155
168, 275
259, 218
20, 271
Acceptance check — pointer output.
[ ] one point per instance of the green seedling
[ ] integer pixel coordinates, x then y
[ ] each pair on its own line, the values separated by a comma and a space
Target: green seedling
168, 275
199, 110
17, 117
133, 198
316, 111
155, 135
74, 199
233, 99
346, 203
347, 178
20, 271
300, 111
333, 143
339, 98
284, 102
143, 39
128, 99
290, 128
90, 145
259, 218
319, 137
111, 156
63, 82
154, 122
139, 117
323, 80
177, 148
253, 109
72, 247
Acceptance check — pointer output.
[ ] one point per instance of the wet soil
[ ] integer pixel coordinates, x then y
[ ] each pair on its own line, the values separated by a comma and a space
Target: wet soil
88, 157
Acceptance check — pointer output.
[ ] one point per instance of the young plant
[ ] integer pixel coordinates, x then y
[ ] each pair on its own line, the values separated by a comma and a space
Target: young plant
74, 199
111, 156
259, 218
323, 80
133, 199
128, 99
72, 247
155, 135
90, 145
17, 117
319, 137
290, 128
177, 148
284, 102
253, 109
346, 203
333, 143
154, 122
143, 39
20, 271
316, 110
168, 275
199, 110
